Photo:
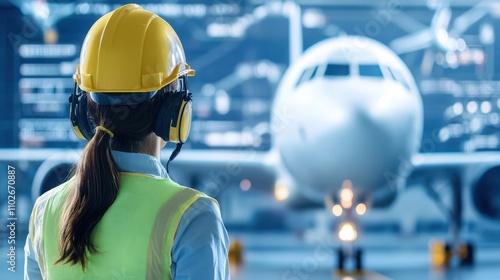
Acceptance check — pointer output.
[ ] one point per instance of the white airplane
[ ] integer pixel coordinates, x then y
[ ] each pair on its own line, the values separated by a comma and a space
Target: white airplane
355, 109
356, 114
346, 128
348, 106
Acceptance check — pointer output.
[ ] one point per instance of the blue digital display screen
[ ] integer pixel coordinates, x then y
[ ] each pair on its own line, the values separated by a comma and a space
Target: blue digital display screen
240, 51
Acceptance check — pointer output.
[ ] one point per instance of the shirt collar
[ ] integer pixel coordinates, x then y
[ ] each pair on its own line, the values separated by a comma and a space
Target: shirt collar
140, 163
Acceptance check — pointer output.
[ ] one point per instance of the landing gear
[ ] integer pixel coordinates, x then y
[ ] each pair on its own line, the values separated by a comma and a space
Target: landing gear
467, 254
446, 254
347, 230
344, 254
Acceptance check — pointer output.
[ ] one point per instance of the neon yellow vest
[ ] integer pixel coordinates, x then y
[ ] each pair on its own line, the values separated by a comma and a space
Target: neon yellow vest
134, 237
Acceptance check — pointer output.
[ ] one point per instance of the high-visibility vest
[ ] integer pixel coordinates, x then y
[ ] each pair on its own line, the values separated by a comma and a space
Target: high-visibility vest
134, 237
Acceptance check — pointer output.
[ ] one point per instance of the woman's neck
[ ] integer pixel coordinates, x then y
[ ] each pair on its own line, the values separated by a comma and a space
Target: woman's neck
151, 145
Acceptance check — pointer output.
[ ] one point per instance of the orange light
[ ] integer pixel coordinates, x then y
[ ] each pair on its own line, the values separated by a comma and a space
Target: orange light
50, 36
347, 232
346, 203
346, 194
337, 210
281, 191
361, 209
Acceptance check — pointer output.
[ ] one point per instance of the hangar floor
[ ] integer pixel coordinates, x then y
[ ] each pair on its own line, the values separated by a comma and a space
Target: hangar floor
285, 257
385, 257
380, 264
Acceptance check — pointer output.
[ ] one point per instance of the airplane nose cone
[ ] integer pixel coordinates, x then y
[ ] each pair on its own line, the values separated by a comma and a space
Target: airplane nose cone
357, 150
360, 139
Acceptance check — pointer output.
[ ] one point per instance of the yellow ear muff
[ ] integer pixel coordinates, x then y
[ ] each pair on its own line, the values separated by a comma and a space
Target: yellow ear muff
180, 132
78, 115
78, 133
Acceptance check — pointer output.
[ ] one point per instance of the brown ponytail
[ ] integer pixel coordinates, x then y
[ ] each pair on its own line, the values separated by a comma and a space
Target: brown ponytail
97, 181
97, 177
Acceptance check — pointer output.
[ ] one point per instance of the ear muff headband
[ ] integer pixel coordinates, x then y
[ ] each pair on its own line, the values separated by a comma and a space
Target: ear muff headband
173, 122
78, 115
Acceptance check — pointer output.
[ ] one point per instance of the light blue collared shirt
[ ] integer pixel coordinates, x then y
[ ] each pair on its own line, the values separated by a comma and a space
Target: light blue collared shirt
201, 243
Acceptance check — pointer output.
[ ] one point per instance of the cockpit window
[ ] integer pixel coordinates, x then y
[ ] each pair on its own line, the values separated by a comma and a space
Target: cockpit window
313, 73
337, 70
398, 76
307, 75
370, 70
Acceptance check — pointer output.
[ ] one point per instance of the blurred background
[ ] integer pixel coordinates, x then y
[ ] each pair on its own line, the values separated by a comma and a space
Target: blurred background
240, 50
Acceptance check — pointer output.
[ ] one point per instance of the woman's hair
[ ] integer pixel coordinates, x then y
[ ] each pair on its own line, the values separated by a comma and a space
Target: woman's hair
96, 175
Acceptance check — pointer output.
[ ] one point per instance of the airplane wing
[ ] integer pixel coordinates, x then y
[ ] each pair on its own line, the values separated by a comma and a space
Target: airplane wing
468, 166
445, 176
215, 170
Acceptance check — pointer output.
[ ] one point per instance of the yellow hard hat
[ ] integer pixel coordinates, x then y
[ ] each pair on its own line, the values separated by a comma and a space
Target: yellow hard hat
130, 50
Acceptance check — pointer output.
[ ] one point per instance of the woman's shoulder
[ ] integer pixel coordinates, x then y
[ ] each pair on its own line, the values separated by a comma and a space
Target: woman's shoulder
205, 209
163, 190
57, 191
201, 201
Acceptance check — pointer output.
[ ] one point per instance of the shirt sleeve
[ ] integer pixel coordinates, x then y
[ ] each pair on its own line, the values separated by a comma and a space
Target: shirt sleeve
31, 269
200, 249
